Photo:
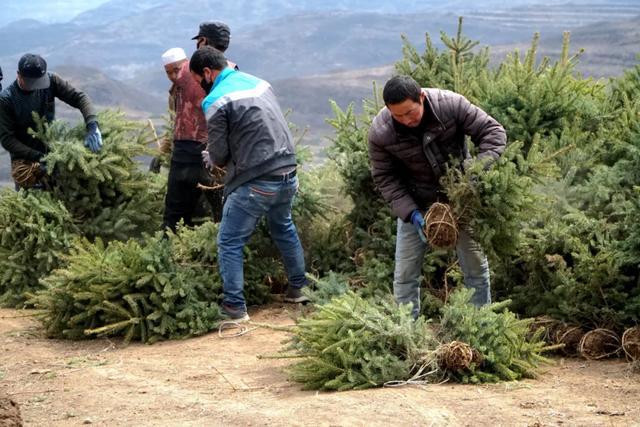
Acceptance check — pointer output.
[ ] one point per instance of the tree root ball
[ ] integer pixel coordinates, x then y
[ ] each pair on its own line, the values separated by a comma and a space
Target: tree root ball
25, 173
9, 412
441, 227
570, 336
631, 343
599, 343
456, 356
548, 325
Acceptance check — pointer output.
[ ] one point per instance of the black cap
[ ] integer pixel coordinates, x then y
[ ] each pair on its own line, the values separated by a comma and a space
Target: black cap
217, 33
33, 70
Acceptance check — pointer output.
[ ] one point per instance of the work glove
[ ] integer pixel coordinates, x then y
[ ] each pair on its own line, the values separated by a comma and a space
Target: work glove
206, 160
93, 140
418, 222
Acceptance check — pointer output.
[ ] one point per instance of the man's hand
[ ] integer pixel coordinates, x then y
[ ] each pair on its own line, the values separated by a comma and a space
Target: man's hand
166, 146
418, 222
93, 140
206, 160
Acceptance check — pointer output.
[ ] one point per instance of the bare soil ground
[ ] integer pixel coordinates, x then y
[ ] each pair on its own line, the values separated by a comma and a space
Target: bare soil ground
211, 380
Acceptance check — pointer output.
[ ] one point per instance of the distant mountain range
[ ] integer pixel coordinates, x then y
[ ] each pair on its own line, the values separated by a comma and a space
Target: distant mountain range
107, 92
284, 38
311, 51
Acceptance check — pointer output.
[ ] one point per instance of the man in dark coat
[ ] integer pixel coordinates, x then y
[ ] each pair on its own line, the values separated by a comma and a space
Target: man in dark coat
411, 142
35, 90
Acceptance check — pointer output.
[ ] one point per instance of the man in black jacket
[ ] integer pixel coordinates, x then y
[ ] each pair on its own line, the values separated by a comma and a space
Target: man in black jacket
35, 90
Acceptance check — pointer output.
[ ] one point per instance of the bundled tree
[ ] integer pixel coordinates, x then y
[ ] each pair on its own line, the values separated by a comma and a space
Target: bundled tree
353, 343
163, 287
504, 350
144, 291
106, 192
35, 231
496, 200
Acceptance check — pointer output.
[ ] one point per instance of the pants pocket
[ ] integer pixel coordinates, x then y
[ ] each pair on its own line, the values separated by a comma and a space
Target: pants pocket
262, 192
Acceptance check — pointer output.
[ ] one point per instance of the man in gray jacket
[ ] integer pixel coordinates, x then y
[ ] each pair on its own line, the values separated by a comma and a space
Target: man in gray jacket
249, 135
411, 141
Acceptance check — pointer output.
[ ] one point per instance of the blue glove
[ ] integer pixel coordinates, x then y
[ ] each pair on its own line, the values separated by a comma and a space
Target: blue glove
93, 140
418, 222
206, 160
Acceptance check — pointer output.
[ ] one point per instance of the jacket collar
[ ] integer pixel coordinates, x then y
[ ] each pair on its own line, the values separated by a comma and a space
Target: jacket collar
428, 109
223, 75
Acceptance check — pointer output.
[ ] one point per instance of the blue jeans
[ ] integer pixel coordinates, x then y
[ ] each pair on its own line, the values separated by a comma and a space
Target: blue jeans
242, 210
410, 256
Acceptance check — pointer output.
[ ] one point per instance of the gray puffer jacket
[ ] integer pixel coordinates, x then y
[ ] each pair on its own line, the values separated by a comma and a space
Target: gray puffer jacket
407, 163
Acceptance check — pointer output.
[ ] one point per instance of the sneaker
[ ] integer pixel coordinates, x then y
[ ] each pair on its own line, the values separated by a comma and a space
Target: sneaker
295, 295
237, 314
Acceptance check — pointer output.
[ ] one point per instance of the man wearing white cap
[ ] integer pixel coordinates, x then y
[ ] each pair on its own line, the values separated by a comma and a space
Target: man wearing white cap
189, 140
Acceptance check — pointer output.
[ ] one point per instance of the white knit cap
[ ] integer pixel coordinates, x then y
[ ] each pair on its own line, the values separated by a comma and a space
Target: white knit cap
174, 54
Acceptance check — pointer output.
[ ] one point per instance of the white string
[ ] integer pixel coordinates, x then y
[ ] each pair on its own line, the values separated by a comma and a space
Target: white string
231, 324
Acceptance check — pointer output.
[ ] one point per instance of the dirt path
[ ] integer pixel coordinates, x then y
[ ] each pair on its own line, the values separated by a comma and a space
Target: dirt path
219, 381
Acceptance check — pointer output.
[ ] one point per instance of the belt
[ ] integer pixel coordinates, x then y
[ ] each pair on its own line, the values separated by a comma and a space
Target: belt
281, 177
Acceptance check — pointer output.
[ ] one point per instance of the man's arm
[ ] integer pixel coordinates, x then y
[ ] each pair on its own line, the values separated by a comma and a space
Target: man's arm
384, 171
485, 131
218, 141
7, 135
75, 98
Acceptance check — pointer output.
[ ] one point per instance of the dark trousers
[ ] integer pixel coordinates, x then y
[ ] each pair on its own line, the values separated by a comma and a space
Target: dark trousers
184, 200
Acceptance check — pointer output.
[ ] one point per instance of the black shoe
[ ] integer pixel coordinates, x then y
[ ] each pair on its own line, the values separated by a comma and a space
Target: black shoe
237, 314
295, 295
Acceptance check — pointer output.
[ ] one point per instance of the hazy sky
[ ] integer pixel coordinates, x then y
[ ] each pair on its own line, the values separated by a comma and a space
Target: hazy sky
44, 10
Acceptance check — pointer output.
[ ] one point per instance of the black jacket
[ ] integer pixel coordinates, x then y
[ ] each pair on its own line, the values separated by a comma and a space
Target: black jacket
17, 107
